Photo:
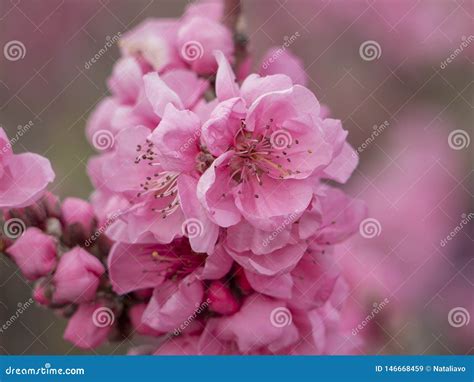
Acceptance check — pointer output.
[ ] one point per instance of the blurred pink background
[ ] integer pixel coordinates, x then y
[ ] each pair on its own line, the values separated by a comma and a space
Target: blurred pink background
403, 67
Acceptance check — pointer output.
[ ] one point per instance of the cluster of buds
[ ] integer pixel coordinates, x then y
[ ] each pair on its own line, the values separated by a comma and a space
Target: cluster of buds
49, 242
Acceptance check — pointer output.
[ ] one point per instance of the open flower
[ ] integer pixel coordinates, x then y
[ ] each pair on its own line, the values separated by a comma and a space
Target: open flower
268, 326
174, 271
270, 143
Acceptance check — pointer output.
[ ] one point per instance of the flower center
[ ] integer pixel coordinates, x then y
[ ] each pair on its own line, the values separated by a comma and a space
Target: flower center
163, 185
257, 155
177, 263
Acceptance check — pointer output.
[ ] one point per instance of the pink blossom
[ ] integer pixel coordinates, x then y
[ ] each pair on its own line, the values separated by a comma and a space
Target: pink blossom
269, 140
34, 253
139, 98
165, 44
84, 330
23, 177
198, 38
77, 277
267, 326
149, 180
331, 218
176, 273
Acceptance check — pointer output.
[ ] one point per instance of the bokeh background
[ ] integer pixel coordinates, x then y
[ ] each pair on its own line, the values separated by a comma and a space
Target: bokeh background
412, 84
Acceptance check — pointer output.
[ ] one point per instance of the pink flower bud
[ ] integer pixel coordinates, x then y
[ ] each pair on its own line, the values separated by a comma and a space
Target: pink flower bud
77, 277
222, 300
90, 325
78, 211
34, 253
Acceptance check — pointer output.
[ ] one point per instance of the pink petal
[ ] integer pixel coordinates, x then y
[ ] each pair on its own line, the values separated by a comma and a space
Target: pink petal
206, 238
218, 133
275, 263
214, 193
172, 304
132, 267
24, 179
254, 86
226, 84
177, 139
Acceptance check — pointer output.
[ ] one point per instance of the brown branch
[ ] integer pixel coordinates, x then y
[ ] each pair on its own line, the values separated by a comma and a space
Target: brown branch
232, 18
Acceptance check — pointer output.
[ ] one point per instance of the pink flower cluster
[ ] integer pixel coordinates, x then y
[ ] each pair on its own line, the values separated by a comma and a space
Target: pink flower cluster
219, 226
